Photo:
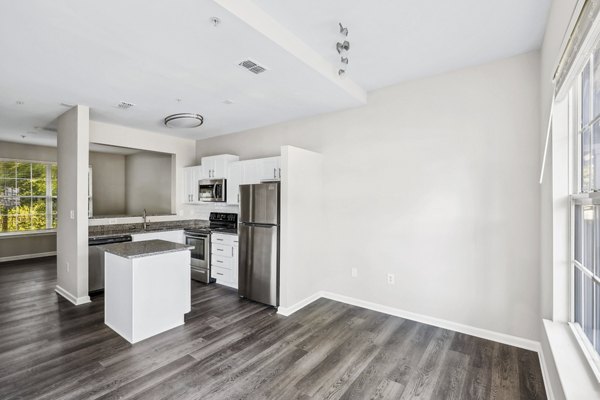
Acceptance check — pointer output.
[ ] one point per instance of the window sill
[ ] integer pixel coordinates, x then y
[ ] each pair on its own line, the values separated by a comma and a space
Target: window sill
27, 233
577, 378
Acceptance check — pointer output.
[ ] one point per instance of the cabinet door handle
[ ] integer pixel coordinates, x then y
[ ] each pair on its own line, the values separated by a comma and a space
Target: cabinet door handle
274, 173
279, 173
218, 273
238, 198
219, 249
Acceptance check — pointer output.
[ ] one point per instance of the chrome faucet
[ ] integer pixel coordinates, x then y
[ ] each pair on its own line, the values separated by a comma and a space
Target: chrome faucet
145, 219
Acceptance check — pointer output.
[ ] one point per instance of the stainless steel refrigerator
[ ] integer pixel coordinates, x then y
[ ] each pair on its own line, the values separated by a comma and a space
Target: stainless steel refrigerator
259, 243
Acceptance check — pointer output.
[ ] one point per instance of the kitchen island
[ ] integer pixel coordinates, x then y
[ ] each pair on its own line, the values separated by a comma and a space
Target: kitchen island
147, 287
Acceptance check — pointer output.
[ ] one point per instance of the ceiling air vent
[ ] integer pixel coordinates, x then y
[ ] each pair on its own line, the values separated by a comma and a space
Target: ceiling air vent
252, 66
123, 105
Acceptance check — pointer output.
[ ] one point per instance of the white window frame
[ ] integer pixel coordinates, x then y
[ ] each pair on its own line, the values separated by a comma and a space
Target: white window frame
48, 197
579, 197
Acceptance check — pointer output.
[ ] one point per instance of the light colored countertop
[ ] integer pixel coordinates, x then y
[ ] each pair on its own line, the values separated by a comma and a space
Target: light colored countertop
144, 248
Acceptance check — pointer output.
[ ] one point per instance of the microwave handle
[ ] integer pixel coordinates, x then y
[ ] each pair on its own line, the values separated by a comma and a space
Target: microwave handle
214, 191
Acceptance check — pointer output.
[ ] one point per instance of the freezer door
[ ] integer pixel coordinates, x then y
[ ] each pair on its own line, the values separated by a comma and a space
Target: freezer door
259, 203
259, 263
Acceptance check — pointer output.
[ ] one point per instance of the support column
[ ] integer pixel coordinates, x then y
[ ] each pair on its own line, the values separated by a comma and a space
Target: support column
72, 232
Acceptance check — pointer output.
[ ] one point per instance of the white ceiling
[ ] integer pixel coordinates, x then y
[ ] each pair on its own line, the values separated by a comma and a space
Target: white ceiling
153, 53
394, 40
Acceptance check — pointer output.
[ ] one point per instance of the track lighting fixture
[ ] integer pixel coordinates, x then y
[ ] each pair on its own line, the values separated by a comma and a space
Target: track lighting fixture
342, 46
342, 49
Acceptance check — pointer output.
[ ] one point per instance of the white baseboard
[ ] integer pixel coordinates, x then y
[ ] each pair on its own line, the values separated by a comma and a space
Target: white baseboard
545, 374
27, 256
287, 311
75, 300
441, 323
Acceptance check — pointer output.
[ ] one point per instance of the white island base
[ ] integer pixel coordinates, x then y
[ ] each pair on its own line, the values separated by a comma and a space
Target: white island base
146, 295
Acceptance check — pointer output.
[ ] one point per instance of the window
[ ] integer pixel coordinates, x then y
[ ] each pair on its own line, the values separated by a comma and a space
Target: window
27, 195
585, 254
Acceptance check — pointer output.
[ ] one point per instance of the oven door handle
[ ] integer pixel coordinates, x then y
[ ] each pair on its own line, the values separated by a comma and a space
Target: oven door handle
198, 236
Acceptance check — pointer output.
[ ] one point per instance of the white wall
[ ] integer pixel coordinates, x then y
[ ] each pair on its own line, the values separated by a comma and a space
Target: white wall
72, 232
435, 181
148, 183
108, 183
182, 149
301, 211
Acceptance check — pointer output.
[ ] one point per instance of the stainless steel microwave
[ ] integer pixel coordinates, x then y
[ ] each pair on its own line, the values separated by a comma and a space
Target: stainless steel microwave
212, 190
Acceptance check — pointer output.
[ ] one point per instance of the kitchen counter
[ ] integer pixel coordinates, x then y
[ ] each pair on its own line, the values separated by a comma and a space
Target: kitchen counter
144, 248
147, 287
130, 229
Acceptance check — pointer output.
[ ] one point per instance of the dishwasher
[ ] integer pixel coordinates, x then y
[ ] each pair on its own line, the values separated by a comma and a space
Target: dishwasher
96, 259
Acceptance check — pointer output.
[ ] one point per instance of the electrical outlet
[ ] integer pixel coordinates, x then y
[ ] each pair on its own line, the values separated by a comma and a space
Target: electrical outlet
354, 272
72, 214
112, 221
391, 279
68, 267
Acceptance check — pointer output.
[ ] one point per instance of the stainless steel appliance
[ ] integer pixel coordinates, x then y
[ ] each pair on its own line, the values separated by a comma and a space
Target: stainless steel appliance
212, 190
200, 239
96, 259
259, 243
200, 262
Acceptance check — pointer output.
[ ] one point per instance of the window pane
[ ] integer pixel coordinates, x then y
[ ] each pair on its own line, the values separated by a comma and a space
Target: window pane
578, 296
588, 237
597, 319
38, 206
596, 99
7, 169
24, 170
596, 156
9, 186
586, 158
578, 233
54, 172
585, 96
38, 221
24, 186
38, 171
38, 186
588, 299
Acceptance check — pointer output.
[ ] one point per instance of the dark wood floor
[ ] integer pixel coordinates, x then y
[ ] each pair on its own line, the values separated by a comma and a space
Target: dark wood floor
235, 349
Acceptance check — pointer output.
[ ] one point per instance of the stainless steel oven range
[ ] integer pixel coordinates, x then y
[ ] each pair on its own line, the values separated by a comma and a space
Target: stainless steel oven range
200, 239
200, 264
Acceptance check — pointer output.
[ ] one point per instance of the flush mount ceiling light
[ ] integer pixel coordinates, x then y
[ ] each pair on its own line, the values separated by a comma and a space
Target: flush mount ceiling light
184, 120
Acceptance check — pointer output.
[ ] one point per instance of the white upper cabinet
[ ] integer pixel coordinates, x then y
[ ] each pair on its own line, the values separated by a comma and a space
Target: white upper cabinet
191, 176
251, 171
216, 166
269, 169
234, 179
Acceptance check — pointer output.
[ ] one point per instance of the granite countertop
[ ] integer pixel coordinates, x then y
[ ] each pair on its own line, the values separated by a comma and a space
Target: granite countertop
99, 231
144, 248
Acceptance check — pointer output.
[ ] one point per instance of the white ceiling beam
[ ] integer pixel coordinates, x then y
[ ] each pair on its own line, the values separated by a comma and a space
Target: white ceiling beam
262, 22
